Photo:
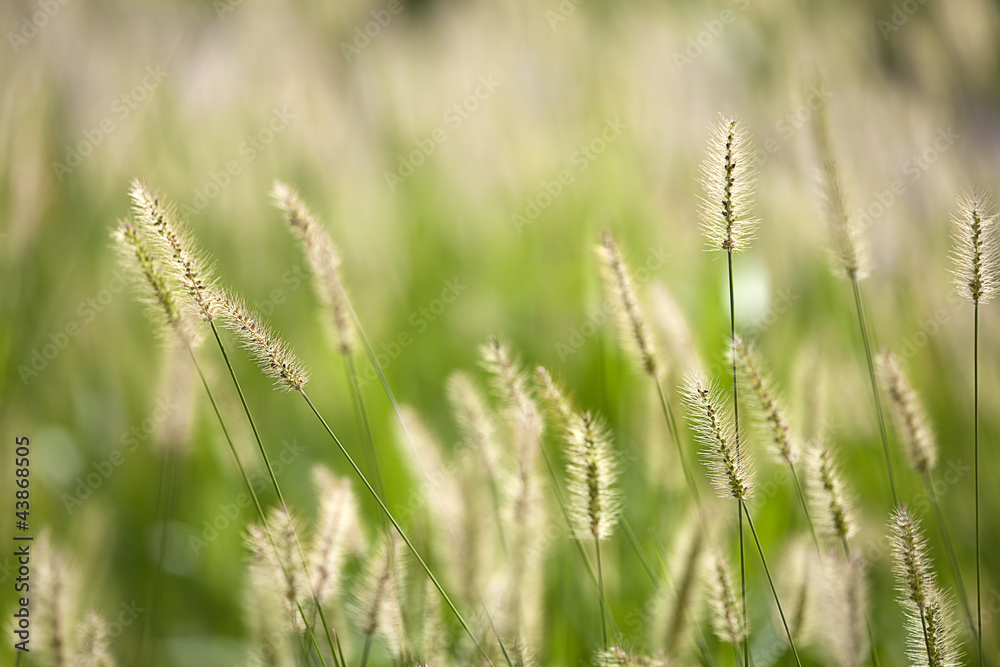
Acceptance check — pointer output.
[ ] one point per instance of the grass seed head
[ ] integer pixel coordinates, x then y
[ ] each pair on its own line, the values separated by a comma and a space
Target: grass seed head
976, 255
727, 175
912, 425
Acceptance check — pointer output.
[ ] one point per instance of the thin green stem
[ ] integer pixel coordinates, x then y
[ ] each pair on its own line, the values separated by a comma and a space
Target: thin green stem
399, 529
950, 550
363, 425
366, 651
874, 383
979, 585
736, 419
774, 592
600, 588
256, 500
668, 414
274, 479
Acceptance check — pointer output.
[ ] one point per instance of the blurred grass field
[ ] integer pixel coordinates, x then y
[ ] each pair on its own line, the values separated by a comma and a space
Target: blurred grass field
487, 104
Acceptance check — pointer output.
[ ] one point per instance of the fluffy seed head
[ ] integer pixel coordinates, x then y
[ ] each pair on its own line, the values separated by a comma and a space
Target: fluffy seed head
730, 472
727, 175
94, 651
183, 262
768, 404
376, 606
908, 414
338, 532
849, 248
932, 639
679, 604
616, 655
846, 603
276, 563
520, 409
53, 603
594, 501
151, 284
831, 507
632, 328
476, 422
324, 262
271, 353
727, 620
976, 254
559, 407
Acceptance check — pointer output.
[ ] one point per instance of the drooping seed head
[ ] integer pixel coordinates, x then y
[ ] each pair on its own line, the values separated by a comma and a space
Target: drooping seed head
632, 328
172, 243
849, 251
727, 175
908, 414
976, 254
932, 639
337, 534
271, 353
727, 619
768, 404
324, 262
151, 284
730, 471
559, 406
830, 505
591, 471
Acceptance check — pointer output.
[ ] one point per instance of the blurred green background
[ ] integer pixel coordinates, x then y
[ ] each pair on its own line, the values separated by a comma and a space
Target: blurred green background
485, 102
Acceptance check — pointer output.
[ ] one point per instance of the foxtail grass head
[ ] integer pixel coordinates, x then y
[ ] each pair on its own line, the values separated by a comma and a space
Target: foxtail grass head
376, 607
338, 533
729, 470
559, 407
908, 414
151, 284
182, 261
94, 643
679, 606
846, 616
594, 501
768, 403
727, 619
976, 254
276, 564
932, 639
324, 262
271, 353
53, 604
830, 505
849, 251
632, 326
727, 175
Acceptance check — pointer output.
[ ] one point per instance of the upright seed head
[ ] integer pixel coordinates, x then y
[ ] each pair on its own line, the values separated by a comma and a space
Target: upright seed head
151, 284
632, 329
976, 254
520, 409
271, 353
324, 262
727, 620
53, 604
476, 422
768, 403
338, 532
849, 248
727, 175
908, 414
591, 470
846, 601
932, 639
730, 472
277, 565
376, 606
830, 504
94, 651
172, 242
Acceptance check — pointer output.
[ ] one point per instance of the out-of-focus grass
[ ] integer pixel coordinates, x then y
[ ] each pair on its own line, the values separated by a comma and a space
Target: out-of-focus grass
451, 221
